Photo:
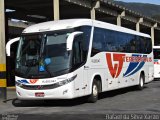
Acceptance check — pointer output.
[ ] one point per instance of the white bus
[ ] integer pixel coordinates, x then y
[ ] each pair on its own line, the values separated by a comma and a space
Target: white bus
80, 57
156, 52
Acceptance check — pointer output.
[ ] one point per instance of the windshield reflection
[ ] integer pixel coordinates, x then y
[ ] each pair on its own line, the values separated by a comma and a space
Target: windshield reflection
43, 55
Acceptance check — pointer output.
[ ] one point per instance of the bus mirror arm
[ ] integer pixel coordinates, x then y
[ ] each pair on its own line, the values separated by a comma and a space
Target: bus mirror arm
70, 39
8, 45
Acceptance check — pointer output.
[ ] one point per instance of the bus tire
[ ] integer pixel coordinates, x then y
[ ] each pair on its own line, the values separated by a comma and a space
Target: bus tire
95, 90
140, 86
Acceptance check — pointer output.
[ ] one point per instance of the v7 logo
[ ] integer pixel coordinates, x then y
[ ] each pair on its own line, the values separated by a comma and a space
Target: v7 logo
115, 69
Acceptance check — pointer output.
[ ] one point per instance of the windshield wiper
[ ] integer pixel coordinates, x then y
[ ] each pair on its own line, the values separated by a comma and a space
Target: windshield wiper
47, 69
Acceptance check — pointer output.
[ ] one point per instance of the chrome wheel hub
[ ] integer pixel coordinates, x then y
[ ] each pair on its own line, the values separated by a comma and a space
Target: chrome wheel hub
95, 91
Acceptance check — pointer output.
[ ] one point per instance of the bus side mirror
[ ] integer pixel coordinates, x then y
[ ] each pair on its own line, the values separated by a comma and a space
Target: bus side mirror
71, 38
8, 45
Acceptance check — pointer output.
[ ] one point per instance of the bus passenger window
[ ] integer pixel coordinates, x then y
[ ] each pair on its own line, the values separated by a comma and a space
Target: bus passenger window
98, 44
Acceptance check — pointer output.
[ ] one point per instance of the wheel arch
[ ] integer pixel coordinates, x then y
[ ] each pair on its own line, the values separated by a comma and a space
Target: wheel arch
98, 77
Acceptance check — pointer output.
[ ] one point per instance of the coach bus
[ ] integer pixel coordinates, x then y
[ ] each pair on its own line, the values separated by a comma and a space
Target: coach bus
156, 53
72, 58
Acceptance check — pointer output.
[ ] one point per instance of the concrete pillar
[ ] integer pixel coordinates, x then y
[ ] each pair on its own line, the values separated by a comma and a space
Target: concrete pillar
138, 24
95, 5
93, 14
152, 33
2, 53
56, 9
119, 18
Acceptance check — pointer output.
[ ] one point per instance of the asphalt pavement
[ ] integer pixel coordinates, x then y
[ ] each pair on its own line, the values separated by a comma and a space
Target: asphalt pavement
126, 103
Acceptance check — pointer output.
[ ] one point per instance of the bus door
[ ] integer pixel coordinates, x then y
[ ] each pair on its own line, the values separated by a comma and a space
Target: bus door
77, 61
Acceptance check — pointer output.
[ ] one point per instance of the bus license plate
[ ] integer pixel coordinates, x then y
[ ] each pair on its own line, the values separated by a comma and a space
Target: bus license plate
39, 94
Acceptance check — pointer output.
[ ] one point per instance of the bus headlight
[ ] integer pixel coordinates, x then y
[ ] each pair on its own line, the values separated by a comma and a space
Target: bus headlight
19, 84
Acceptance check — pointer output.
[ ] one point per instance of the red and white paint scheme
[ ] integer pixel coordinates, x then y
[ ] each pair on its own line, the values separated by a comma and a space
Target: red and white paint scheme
72, 58
156, 52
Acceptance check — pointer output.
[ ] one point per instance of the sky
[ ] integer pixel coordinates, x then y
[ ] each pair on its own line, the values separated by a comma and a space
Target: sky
144, 1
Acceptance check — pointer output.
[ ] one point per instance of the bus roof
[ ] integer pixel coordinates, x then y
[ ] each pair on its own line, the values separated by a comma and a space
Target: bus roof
57, 25
72, 23
156, 47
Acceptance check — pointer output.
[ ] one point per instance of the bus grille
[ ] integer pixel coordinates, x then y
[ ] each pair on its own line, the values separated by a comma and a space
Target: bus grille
39, 87
46, 87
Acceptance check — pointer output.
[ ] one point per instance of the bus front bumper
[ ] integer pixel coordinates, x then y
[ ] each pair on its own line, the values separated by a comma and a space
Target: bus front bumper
63, 92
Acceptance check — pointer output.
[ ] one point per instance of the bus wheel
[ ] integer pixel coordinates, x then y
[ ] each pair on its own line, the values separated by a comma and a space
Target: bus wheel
95, 90
141, 82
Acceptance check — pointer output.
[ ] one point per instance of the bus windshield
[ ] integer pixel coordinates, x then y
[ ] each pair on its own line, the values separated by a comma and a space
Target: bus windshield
43, 55
156, 53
